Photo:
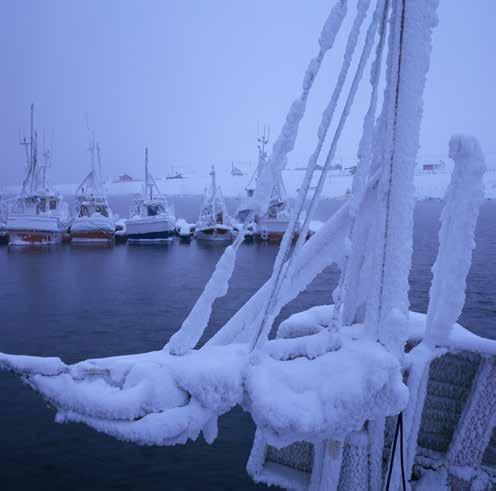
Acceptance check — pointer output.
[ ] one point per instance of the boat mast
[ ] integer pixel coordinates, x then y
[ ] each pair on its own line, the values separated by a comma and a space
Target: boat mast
148, 185
214, 193
100, 187
30, 157
34, 146
262, 154
92, 153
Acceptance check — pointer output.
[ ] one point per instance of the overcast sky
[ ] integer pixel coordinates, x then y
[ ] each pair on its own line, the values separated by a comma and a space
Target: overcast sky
192, 78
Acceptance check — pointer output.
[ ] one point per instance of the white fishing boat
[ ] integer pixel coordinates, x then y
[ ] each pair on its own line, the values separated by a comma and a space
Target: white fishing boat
94, 221
214, 223
150, 218
39, 215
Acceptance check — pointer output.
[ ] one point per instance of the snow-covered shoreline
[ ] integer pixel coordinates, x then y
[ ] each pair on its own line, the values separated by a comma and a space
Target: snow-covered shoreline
427, 185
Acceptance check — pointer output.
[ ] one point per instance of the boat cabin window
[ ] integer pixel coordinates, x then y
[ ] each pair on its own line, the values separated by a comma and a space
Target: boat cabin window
83, 211
53, 204
154, 210
42, 205
218, 218
102, 210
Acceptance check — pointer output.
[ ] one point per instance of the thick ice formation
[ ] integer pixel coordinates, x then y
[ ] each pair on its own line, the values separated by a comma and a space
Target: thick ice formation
447, 292
456, 237
326, 397
150, 399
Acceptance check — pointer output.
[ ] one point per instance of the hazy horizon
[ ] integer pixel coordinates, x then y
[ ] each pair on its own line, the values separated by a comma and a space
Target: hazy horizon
192, 80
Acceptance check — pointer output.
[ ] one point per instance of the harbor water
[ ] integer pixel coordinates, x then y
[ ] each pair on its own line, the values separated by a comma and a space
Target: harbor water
88, 302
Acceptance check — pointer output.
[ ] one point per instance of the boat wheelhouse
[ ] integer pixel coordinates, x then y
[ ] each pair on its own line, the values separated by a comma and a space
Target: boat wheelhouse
39, 215
94, 221
150, 218
273, 224
214, 222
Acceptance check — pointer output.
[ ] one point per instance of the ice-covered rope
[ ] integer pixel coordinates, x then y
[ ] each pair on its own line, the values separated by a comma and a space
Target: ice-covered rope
282, 267
195, 324
364, 161
287, 137
327, 116
393, 102
283, 145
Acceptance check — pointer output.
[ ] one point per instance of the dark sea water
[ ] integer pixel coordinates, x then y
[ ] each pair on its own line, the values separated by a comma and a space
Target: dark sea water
82, 302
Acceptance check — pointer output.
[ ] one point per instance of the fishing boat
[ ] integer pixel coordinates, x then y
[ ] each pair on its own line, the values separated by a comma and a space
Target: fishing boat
271, 224
236, 171
150, 218
39, 215
174, 174
94, 221
214, 223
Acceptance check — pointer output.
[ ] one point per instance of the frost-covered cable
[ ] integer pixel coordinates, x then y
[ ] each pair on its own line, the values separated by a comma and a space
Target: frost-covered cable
287, 137
280, 275
360, 178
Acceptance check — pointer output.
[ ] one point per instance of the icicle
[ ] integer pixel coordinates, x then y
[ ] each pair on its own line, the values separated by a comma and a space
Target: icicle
286, 140
195, 324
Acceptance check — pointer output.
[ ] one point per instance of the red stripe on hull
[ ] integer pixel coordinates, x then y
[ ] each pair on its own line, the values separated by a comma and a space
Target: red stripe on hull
33, 237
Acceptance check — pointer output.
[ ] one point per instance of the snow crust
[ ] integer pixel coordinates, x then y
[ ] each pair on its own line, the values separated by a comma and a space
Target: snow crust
94, 222
326, 397
150, 399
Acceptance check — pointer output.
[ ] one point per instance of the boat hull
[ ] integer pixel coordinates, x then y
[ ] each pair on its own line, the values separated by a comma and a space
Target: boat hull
34, 237
214, 234
90, 230
151, 237
92, 237
272, 230
151, 230
34, 230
